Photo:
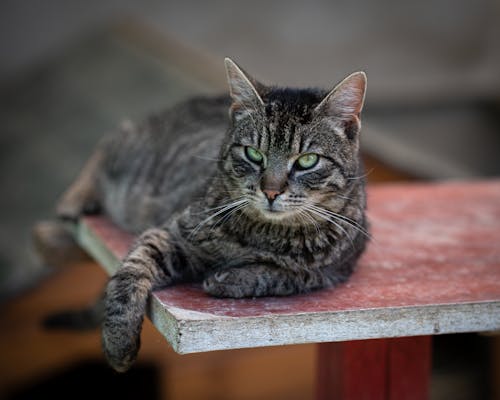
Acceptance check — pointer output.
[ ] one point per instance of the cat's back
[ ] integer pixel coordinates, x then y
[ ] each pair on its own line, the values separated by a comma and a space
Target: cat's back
160, 166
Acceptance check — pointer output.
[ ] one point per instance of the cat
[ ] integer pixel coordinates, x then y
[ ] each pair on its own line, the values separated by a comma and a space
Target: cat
259, 193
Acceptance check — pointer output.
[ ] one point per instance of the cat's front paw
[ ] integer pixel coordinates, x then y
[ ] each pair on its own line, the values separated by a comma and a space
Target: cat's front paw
235, 282
124, 308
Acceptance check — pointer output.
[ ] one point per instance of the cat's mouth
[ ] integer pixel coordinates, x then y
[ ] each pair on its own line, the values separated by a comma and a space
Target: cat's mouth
274, 211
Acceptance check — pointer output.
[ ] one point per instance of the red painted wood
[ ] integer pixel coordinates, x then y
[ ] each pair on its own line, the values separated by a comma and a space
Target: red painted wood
433, 244
409, 368
115, 239
354, 370
381, 369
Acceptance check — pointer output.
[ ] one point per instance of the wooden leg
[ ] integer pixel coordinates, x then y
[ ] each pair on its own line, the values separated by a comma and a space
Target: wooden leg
380, 369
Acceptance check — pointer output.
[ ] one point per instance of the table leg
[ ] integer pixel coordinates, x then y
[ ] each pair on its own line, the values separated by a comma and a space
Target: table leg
377, 369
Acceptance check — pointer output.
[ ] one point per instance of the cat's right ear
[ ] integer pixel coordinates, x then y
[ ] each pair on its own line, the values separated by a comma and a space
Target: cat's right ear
243, 91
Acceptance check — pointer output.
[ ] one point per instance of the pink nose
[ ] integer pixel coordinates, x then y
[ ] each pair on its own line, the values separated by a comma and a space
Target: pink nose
271, 194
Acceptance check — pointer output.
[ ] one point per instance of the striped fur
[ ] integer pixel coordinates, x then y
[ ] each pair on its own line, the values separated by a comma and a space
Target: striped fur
185, 179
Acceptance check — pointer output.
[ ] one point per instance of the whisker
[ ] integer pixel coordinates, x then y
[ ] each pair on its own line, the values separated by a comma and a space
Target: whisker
227, 216
305, 214
361, 176
341, 217
206, 210
225, 208
344, 197
326, 218
239, 216
207, 158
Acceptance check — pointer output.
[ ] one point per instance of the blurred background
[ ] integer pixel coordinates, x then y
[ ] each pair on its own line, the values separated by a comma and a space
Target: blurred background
72, 70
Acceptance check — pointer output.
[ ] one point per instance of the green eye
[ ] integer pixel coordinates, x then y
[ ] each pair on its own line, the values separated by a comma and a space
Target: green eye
307, 161
254, 155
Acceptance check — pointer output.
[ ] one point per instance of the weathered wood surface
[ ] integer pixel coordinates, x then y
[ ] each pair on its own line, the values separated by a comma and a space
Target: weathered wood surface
433, 267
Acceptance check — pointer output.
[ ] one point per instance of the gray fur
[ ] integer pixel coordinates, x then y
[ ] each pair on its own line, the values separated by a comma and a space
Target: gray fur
185, 177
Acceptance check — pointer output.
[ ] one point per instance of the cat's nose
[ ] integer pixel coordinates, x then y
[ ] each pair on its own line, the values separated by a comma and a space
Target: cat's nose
273, 184
271, 194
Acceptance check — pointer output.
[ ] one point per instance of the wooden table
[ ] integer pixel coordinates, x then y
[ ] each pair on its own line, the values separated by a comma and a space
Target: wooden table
433, 267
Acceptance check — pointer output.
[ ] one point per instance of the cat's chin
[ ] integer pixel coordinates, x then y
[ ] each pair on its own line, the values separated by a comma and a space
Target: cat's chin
277, 216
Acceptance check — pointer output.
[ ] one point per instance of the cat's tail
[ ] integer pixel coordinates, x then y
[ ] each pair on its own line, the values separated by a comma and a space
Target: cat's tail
84, 319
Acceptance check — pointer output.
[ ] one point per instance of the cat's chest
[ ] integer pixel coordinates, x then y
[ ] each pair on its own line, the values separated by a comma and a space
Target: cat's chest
297, 243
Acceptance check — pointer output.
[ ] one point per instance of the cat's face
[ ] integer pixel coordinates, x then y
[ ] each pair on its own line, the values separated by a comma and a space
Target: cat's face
290, 151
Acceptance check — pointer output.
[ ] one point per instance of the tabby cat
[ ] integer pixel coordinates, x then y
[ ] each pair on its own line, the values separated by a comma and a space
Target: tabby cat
266, 202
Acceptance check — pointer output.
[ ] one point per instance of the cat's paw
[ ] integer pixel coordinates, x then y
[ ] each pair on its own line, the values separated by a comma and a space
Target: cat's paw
235, 282
124, 308
55, 245
120, 361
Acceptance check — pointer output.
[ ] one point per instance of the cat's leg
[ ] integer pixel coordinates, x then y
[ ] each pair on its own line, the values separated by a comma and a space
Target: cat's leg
55, 245
151, 264
267, 280
82, 196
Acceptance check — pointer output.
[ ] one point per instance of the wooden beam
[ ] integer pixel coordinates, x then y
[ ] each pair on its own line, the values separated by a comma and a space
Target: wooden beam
379, 369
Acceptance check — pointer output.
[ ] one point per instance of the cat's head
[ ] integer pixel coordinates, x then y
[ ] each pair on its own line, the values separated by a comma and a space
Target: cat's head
289, 150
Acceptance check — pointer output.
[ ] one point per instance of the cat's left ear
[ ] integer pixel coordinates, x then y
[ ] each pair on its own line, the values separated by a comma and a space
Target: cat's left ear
345, 102
243, 90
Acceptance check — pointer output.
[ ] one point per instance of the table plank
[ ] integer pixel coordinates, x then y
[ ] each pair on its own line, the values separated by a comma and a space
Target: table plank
433, 267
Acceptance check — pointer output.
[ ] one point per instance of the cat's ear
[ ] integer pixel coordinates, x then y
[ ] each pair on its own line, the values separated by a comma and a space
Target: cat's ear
345, 102
243, 90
